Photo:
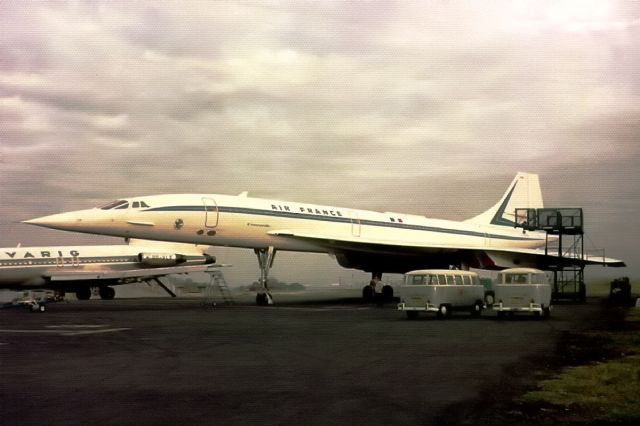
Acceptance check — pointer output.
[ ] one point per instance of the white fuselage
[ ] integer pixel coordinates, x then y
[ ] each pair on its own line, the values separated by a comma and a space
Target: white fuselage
361, 239
238, 221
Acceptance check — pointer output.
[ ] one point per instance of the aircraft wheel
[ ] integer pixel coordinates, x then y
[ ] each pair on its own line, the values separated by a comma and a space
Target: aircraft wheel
412, 315
107, 293
261, 299
367, 294
84, 294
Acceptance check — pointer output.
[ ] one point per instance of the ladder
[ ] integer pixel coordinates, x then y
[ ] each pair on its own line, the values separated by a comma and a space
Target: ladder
217, 287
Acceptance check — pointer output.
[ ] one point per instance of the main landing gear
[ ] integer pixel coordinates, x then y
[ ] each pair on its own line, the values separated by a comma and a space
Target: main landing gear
105, 292
265, 259
373, 293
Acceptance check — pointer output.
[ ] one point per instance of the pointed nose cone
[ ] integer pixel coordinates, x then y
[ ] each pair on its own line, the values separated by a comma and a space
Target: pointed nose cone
90, 221
66, 221
79, 221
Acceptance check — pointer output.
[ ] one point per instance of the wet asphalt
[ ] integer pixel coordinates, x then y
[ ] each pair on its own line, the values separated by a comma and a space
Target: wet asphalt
163, 361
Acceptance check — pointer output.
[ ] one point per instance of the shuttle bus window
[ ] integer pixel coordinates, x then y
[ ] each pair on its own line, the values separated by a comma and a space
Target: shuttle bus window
516, 279
475, 280
457, 279
417, 280
538, 278
442, 280
467, 279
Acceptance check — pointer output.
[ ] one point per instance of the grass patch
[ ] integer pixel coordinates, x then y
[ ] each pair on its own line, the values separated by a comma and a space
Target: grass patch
607, 390
598, 287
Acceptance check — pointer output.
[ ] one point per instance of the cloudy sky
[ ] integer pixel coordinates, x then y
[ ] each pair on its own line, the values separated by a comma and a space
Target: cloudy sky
425, 107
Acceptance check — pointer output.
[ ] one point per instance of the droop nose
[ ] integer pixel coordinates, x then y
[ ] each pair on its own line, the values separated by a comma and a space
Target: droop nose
63, 221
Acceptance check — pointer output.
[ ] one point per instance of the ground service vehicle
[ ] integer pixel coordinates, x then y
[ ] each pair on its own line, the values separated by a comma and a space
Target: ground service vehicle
441, 291
522, 290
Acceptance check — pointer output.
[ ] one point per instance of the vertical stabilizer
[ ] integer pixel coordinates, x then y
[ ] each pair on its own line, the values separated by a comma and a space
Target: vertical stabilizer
523, 192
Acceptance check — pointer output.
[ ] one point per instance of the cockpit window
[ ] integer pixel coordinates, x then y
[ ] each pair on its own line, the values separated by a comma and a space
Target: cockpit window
138, 204
116, 204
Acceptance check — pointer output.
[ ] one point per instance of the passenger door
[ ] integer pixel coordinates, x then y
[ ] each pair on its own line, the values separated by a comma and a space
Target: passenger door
355, 223
210, 212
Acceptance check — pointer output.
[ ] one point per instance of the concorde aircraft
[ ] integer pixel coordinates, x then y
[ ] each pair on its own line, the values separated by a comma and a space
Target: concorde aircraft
367, 240
79, 268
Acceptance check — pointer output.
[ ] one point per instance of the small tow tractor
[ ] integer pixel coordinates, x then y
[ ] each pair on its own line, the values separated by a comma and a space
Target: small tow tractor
29, 302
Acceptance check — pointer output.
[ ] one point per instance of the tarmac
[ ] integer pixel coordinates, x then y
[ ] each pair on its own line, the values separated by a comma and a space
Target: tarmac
313, 361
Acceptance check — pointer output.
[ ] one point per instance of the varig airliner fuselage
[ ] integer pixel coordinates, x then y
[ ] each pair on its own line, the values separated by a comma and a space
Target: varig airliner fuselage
79, 268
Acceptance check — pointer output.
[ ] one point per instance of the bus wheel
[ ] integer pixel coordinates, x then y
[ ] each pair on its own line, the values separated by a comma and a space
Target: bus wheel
412, 315
546, 312
387, 292
477, 309
488, 299
443, 311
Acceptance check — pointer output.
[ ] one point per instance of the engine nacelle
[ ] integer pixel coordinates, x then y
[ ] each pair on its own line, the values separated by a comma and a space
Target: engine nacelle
161, 259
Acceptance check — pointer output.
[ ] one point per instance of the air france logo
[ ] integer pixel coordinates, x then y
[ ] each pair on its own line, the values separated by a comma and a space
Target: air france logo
307, 210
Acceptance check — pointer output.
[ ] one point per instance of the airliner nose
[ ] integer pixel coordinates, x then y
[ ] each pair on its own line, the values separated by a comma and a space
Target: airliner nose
56, 221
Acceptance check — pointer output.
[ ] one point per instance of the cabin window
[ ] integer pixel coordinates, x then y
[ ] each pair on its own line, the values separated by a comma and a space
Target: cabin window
136, 204
143, 204
123, 206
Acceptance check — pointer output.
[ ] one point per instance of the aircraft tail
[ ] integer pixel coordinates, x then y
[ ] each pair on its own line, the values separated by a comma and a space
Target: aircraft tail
523, 192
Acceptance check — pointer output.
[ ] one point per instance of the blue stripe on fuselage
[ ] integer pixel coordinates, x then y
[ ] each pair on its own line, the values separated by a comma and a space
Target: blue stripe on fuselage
306, 216
497, 218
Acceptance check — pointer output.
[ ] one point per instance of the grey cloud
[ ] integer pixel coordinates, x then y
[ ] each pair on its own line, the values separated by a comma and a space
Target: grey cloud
387, 106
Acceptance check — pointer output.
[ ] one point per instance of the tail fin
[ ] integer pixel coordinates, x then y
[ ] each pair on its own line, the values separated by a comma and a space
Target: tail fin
524, 192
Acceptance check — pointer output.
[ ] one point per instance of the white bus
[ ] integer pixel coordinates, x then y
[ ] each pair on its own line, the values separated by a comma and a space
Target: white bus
441, 291
522, 290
